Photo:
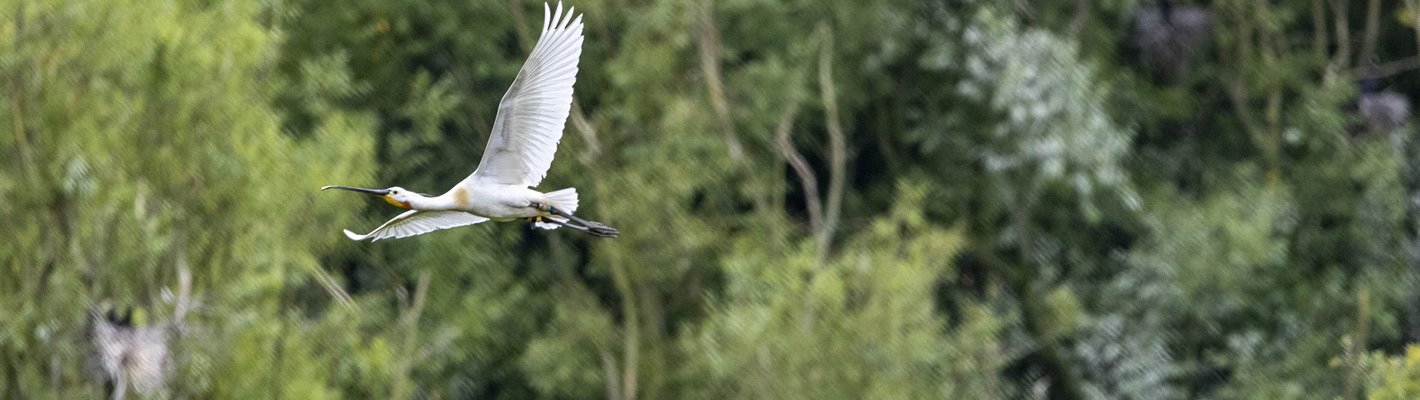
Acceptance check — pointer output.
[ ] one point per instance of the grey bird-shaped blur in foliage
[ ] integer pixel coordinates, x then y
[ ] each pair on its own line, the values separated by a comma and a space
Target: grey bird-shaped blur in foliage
130, 357
519, 152
1384, 110
1169, 36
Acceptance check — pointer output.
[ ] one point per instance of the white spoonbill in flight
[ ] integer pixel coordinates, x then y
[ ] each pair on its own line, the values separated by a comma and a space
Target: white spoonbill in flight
520, 150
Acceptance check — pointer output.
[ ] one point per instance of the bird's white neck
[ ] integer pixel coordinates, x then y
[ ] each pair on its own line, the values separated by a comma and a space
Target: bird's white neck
437, 203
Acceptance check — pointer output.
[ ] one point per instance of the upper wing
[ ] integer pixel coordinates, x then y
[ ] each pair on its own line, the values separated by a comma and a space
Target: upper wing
533, 112
414, 222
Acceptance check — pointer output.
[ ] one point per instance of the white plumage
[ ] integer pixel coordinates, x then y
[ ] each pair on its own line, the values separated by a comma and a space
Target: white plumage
534, 111
414, 222
520, 149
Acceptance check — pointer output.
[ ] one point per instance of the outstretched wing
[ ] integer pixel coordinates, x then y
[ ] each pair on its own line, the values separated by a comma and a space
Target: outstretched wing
534, 111
414, 222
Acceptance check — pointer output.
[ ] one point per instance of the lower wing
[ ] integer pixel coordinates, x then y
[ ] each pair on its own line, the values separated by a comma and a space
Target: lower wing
414, 222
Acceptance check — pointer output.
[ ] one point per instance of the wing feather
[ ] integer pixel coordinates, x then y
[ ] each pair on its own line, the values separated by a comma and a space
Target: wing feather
533, 113
414, 222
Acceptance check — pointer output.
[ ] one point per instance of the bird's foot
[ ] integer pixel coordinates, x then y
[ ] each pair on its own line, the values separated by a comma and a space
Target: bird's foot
597, 228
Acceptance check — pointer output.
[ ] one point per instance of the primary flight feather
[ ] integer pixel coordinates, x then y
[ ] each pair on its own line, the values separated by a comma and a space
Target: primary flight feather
525, 134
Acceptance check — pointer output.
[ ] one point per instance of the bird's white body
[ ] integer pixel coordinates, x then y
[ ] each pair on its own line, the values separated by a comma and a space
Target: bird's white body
504, 202
493, 201
519, 152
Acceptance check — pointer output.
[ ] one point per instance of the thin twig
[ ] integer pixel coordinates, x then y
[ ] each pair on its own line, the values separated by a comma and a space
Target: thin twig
801, 166
332, 287
184, 293
613, 385
1388, 69
421, 289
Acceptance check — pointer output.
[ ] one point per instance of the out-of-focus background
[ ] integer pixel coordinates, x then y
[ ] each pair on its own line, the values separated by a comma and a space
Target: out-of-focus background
818, 199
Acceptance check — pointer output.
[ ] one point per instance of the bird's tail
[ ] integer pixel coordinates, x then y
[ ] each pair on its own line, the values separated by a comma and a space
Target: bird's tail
565, 200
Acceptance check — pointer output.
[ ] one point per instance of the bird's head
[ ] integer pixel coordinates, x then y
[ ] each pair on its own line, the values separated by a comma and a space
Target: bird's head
396, 196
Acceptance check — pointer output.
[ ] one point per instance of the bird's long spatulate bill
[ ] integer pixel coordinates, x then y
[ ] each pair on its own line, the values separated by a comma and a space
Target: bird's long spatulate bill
376, 192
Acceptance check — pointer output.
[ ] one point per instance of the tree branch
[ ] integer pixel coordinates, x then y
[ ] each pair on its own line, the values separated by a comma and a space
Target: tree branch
524, 39
588, 132
183, 303
837, 146
1343, 34
1033, 310
632, 326
1077, 22
409, 321
1415, 21
708, 41
1319, 28
1356, 349
17, 98
1236, 86
1371, 32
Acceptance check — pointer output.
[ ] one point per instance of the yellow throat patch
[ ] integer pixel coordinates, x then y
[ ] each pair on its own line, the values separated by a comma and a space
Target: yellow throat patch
393, 202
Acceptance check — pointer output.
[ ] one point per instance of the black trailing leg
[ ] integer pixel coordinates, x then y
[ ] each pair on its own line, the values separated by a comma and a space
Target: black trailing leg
581, 225
575, 227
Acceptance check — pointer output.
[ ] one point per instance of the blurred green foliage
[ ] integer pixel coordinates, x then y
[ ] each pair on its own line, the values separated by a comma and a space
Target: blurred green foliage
891, 199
